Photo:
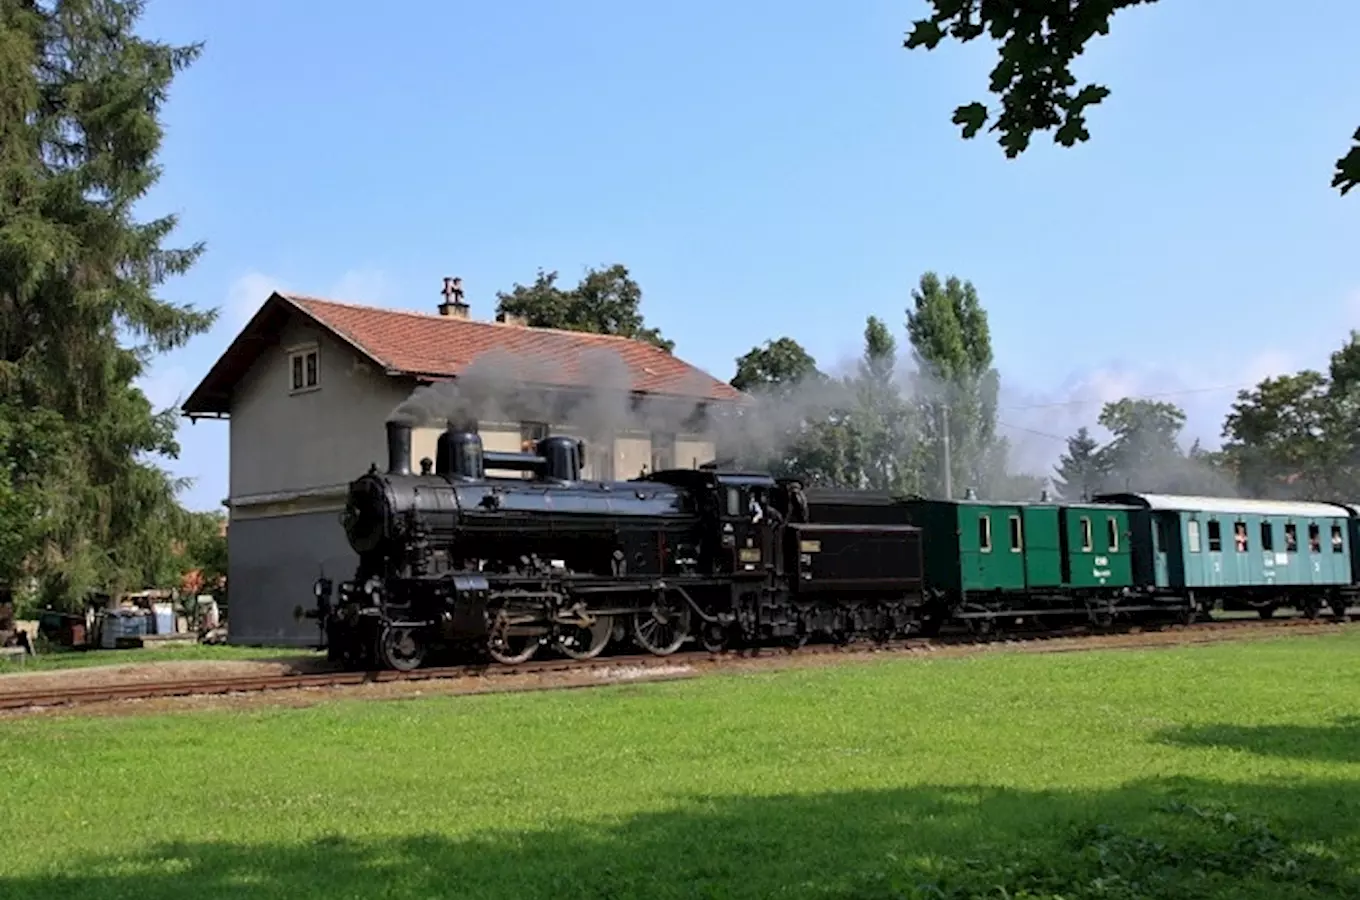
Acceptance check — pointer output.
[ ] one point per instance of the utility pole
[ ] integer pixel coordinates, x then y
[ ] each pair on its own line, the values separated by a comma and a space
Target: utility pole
948, 462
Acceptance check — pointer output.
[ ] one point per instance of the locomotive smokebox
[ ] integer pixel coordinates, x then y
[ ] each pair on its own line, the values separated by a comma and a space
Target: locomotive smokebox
458, 454
398, 449
562, 455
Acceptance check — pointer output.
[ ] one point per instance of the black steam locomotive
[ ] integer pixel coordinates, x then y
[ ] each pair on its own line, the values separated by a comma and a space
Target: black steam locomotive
457, 559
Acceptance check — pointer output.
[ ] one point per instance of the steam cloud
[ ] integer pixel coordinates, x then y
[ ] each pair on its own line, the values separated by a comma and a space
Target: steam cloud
594, 399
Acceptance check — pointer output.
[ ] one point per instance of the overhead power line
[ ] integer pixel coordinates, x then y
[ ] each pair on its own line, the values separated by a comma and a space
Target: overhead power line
1156, 396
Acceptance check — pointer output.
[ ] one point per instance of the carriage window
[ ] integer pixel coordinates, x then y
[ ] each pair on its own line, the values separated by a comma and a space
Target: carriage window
1192, 535
1113, 529
1314, 539
733, 502
1267, 537
1159, 531
1338, 542
1215, 537
1240, 537
985, 534
1291, 538
1016, 536
1087, 541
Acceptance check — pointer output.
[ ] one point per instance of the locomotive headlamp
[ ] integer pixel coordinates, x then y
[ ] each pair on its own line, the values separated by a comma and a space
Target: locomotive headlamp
322, 588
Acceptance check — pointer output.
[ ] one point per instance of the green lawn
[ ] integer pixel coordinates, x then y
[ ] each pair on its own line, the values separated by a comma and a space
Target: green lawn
45, 662
1228, 770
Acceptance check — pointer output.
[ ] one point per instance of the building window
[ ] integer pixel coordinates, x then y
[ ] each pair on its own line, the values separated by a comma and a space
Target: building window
601, 462
303, 369
663, 451
530, 433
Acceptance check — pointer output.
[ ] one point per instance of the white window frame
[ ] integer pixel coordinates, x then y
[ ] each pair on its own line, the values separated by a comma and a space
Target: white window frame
1112, 533
1017, 534
298, 356
1088, 537
985, 534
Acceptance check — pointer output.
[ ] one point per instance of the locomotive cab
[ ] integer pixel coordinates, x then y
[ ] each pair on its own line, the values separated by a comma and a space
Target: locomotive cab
743, 517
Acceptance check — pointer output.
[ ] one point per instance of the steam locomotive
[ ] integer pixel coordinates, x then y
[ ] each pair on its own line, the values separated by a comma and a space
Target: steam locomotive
459, 559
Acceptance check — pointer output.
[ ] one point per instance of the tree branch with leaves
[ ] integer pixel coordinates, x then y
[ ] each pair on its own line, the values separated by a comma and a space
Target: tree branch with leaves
1040, 40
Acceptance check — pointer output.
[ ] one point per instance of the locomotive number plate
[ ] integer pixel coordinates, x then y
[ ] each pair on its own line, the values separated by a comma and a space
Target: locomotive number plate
810, 546
749, 554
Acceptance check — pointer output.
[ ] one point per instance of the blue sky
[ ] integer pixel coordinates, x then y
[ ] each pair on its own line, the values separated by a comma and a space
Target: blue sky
775, 168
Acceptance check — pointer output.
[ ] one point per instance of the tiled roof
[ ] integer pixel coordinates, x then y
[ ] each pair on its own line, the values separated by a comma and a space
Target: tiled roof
437, 347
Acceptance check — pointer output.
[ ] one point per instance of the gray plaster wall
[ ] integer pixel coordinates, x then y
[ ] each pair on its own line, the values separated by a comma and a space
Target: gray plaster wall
272, 564
283, 440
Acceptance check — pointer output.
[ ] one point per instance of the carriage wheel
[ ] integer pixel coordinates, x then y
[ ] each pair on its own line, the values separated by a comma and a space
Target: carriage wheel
715, 636
507, 647
402, 649
662, 628
580, 642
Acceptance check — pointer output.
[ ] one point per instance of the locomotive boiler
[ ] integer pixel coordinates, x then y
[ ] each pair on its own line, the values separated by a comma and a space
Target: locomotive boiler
507, 553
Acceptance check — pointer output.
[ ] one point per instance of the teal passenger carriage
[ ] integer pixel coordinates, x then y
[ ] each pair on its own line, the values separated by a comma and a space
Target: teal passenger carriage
1242, 554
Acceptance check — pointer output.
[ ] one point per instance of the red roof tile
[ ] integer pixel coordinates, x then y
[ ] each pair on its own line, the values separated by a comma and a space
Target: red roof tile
437, 347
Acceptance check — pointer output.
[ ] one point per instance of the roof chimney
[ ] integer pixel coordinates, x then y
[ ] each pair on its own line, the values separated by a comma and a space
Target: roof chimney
506, 318
453, 304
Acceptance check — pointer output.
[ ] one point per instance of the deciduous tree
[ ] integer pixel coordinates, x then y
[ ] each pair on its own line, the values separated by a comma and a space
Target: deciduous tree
1039, 40
605, 301
952, 348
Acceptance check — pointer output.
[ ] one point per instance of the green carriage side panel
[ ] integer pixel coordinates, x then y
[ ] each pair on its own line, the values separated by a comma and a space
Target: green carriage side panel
1041, 544
971, 546
1097, 545
991, 546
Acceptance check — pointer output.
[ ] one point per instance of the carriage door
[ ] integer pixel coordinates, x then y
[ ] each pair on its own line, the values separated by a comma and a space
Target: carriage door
1161, 571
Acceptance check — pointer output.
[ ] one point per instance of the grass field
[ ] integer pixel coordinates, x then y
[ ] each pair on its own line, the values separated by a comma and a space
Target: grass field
45, 662
1230, 770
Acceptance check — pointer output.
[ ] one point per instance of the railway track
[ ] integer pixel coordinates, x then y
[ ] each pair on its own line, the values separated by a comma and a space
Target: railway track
680, 664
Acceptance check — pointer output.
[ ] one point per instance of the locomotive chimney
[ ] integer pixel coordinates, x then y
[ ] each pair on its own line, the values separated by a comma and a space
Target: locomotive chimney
453, 304
398, 448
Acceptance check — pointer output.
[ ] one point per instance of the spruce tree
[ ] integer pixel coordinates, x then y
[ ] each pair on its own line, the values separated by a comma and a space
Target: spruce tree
80, 312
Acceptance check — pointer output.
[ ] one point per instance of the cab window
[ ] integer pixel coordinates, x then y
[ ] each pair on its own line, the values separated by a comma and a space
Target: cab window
733, 502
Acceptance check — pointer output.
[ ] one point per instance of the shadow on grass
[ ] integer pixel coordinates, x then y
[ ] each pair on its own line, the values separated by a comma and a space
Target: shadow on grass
1338, 742
1148, 840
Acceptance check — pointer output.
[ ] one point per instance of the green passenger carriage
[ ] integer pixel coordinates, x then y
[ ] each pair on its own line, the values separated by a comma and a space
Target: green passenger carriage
1008, 561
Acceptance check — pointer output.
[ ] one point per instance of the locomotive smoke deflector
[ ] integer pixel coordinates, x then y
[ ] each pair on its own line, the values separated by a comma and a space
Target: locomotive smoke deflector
398, 449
